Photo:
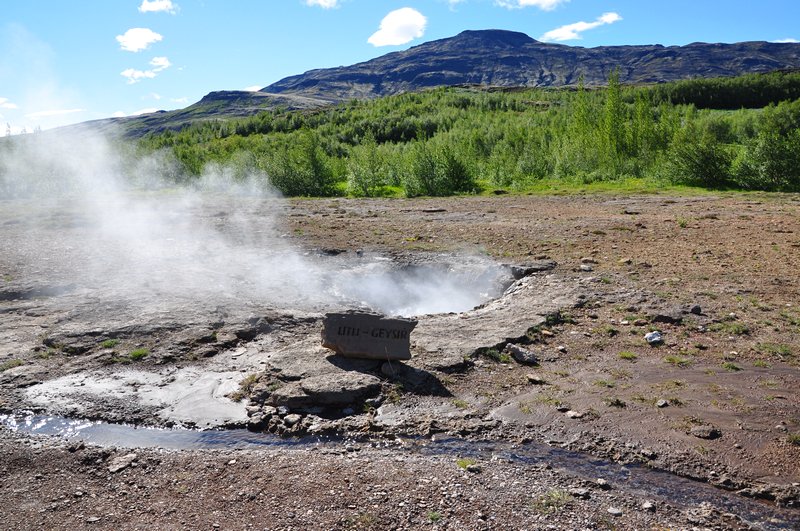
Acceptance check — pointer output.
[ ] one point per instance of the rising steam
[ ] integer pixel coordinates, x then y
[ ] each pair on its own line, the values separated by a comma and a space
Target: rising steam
119, 227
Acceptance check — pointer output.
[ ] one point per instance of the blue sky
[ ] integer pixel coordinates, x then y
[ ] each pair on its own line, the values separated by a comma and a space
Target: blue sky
67, 61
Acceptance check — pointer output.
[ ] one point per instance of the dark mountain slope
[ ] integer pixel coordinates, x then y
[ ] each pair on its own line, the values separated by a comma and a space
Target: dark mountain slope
505, 58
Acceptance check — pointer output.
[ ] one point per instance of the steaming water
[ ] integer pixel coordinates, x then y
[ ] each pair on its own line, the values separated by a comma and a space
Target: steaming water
637, 481
107, 223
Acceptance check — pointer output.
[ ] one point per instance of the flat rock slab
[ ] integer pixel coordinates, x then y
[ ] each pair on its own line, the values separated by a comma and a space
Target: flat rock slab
330, 390
368, 335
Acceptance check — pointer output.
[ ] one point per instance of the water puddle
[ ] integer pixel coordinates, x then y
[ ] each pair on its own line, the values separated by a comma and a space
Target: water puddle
635, 480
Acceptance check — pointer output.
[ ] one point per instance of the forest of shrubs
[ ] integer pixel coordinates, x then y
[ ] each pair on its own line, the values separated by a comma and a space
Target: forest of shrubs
735, 133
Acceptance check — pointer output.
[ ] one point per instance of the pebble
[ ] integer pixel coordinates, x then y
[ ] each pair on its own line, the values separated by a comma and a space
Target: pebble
586, 268
574, 414
662, 403
649, 506
614, 511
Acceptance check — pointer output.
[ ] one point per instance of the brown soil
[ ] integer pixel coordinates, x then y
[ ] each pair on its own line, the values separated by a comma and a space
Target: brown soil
730, 366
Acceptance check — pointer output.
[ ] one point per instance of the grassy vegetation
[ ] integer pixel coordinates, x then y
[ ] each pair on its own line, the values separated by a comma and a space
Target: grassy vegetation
627, 356
10, 364
138, 354
110, 343
741, 133
465, 462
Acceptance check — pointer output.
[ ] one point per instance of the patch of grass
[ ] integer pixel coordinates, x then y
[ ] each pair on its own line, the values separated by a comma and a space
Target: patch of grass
465, 462
677, 361
394, 394
734, 328
496, 355
627, 356
45, 354
245, 388
460, 404
605, 383
620, 374
608, 330
730, 366
780, 350
793, 438
615, 402
361, 521
110, 343
138, 354
10, 364
672, 384
552, 501
761, 364
434, 516
682, 222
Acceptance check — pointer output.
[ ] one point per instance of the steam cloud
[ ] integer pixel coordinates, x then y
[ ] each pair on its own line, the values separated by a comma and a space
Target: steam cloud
119, 227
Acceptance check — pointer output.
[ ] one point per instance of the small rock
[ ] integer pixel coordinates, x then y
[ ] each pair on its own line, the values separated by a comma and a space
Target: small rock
588, 260
648, 506
562, 409
696, 310
654, 338
92, 519
614, 511
561, 348
533, 379
603, 484
639, 322
581, 493
662, 403
122, 462
292, 419
586, 268
574, 414
705, 431
671, 316
474, 468
521, 354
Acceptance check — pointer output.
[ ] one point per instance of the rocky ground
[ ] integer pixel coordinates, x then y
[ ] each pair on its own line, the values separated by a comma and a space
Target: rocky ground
98, 324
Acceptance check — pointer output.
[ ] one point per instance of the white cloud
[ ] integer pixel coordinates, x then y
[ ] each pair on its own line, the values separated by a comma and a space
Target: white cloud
180, 100
119, 114
573, 31
138, 39
324, 4
5, 104
134, 76
399, 27
544, 5
252, 88
154, 6
160, 63
786, 41
53, 112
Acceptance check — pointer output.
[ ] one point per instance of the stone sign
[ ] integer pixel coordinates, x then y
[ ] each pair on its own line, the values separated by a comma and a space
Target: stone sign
368, 335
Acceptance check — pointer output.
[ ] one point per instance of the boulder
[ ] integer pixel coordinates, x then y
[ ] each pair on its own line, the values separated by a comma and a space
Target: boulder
368, 335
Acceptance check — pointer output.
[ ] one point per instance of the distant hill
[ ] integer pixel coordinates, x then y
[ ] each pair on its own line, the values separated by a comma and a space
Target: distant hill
495, 58
511, 59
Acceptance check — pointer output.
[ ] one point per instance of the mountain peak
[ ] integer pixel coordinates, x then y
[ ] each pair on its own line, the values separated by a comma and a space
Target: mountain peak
493, 37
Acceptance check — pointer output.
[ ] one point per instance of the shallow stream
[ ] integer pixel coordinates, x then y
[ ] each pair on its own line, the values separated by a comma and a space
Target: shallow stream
635, 480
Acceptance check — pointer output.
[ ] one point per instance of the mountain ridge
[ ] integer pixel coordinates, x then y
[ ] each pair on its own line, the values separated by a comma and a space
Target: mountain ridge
489, 58
512, 59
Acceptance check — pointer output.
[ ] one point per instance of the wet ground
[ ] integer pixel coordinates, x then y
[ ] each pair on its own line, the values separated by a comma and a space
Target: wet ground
172, 310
